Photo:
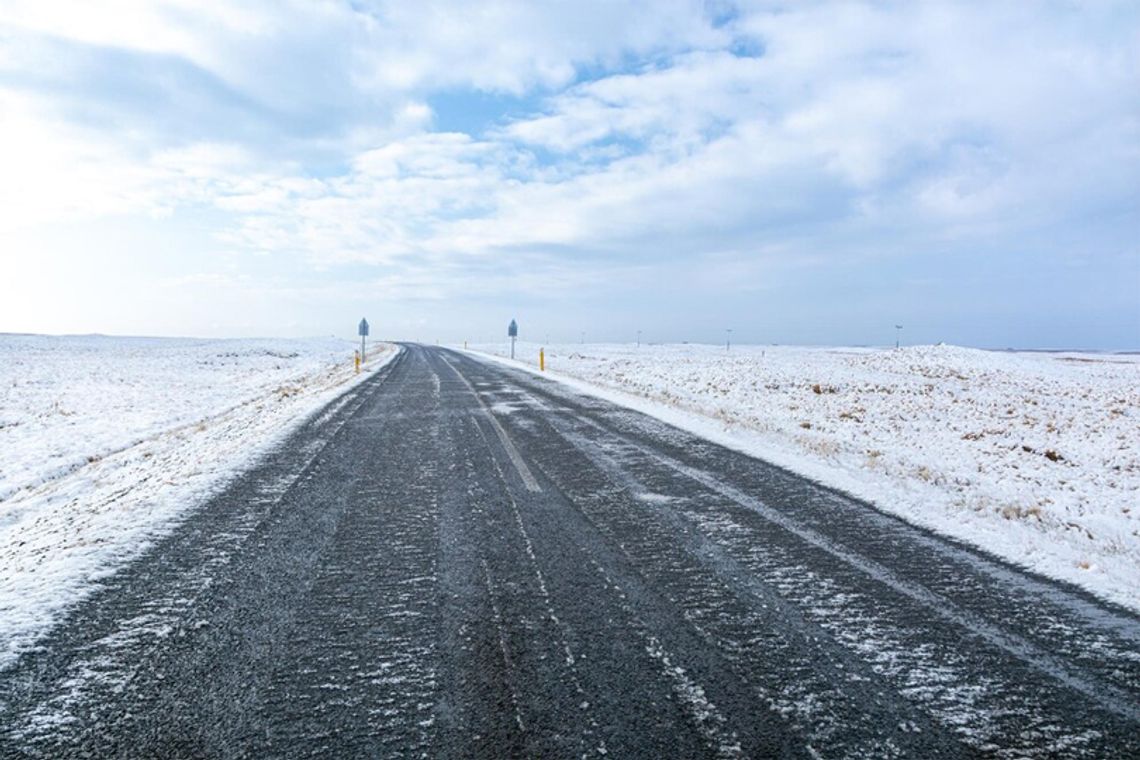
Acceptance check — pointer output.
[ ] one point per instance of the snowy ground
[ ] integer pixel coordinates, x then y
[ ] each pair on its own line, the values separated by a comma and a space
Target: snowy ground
1032, 456
106, 442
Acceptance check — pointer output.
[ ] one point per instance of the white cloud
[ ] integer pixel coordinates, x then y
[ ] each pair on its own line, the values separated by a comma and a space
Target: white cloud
850, 127
53, 171
517, 46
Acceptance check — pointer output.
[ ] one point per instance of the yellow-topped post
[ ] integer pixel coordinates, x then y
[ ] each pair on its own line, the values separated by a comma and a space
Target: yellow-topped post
357, 360
542, 360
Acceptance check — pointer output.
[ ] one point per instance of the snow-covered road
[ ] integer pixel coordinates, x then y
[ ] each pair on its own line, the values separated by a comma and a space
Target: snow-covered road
464, 560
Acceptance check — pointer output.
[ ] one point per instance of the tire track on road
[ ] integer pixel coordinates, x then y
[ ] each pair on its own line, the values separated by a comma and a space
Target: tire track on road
720, 522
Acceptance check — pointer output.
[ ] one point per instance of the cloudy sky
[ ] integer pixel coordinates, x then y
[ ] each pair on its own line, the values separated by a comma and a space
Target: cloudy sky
801, 172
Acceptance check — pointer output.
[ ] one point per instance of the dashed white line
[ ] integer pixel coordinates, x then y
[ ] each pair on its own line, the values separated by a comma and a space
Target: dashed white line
527, 476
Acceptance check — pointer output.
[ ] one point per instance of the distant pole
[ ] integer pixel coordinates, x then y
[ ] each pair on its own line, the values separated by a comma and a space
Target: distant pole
512, 333
639, 338
728, 338
898, 333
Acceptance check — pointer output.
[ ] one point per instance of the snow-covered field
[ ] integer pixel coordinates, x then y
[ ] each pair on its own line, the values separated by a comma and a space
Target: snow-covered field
106, 442
1034, 457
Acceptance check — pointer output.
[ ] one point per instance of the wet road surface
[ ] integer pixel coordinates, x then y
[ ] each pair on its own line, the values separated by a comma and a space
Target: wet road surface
458, 559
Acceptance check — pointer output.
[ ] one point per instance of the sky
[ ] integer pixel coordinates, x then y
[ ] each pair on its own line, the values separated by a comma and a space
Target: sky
797, 172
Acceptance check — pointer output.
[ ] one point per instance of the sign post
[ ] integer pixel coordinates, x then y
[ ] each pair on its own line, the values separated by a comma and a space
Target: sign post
362, 330
513, 333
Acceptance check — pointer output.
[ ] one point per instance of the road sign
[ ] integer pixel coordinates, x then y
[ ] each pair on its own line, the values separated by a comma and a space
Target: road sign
513, 329
362, 331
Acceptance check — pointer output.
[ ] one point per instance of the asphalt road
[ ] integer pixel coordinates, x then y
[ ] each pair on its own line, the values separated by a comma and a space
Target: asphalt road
463, 560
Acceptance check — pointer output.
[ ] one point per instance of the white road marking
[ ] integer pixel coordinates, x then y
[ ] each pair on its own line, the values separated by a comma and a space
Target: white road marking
563, 630
527, 476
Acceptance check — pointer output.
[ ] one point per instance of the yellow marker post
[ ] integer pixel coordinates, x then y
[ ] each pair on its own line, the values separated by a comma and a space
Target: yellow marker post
542, 360
357, 361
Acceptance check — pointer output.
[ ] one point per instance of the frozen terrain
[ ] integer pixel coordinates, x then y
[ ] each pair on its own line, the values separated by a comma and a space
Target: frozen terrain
106, 442
1032, 456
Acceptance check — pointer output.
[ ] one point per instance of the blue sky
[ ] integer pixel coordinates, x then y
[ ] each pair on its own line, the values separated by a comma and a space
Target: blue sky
800, 172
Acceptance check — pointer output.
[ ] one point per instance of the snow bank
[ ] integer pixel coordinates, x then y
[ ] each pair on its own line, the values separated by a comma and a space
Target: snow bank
106, 442
1034, 457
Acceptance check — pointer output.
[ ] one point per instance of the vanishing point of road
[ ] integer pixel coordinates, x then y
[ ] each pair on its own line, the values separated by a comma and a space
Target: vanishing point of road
460, 559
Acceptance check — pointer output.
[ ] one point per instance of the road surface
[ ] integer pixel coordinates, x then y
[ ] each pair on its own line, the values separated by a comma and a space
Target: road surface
458, 559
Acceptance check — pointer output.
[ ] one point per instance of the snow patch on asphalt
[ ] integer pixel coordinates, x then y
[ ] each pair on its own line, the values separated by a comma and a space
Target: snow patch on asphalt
1033, 456
106, 443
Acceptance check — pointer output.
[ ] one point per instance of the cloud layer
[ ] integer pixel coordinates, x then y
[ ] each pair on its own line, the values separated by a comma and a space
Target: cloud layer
729, 145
